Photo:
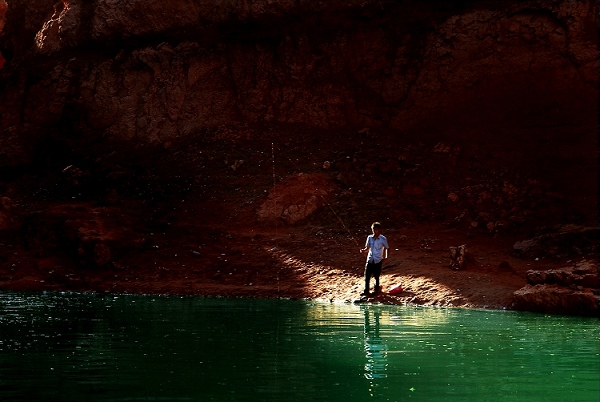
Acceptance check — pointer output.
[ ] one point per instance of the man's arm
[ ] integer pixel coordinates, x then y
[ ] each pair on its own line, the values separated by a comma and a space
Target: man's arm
386, 247
366, 248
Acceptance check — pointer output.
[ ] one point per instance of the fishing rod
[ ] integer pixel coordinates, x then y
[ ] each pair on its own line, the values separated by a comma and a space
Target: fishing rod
316, 192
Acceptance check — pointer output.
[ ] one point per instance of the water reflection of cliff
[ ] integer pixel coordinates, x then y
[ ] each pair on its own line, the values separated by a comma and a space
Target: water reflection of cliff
375, 348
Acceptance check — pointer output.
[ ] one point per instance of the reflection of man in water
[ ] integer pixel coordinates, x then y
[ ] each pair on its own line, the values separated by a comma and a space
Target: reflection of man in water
375, 348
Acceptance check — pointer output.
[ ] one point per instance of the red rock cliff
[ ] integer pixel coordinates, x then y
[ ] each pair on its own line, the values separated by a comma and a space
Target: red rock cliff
493, 72
3, 6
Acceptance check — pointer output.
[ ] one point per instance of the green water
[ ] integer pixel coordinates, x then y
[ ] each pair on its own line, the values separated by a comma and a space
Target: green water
74, 347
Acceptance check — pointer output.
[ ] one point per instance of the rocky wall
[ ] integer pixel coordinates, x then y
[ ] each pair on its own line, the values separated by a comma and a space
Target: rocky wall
3, 6
569, 290
151, 71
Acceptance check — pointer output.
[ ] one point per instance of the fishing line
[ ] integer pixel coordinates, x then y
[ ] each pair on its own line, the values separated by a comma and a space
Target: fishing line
317, 192
275, 259
276, 231
273, 159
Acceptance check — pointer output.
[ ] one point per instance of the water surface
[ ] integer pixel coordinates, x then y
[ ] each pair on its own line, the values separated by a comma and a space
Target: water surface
75, 347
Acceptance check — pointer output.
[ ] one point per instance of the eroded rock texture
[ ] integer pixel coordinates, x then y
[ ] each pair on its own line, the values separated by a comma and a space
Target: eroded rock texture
295, 198
569, 290
557, 300
153, 70
3, 6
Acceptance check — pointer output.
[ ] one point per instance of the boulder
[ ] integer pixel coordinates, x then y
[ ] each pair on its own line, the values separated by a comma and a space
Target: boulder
560, 240
556, 299
458, 256
295, 198
563, 277
569, 290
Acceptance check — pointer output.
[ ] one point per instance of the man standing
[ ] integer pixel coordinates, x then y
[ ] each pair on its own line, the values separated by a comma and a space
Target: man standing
376, 248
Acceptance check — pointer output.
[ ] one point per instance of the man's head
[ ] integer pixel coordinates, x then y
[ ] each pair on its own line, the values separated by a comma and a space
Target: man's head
376, 227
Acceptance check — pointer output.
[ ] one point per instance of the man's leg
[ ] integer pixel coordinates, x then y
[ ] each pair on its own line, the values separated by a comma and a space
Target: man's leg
368, 274
376, 273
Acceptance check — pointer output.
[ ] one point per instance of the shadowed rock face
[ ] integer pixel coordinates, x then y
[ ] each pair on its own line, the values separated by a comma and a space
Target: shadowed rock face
152, 70
516, 80
3, 7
